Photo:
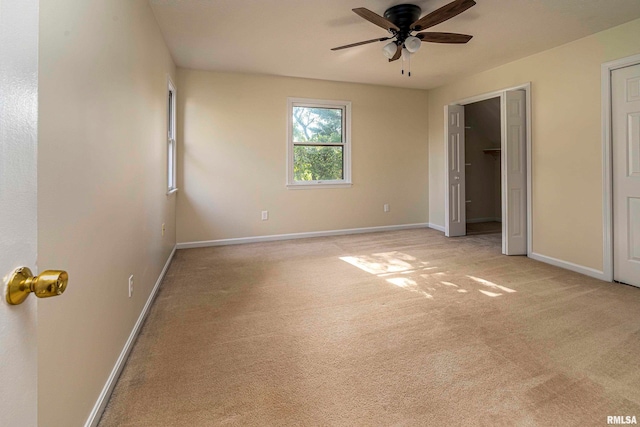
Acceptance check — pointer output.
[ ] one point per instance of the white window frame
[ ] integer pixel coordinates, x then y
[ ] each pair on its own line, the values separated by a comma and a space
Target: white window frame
345, 106
172, 149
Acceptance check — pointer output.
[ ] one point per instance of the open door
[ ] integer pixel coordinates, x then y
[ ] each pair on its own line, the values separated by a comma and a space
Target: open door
626, 174
18, 198
454, 202
514, 174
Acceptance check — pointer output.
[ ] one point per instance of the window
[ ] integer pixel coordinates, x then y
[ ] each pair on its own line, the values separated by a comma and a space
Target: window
171, 138
318, 146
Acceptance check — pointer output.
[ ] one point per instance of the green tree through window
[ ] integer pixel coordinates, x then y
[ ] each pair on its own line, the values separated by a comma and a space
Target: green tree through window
318, 143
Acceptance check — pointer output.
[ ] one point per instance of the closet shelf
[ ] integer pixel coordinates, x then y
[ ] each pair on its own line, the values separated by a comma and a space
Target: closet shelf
495, 152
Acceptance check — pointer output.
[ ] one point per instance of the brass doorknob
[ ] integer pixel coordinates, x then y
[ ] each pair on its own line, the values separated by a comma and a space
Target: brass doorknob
49, 283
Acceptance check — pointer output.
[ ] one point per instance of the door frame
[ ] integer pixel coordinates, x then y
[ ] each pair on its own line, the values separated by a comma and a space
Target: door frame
526, 87
607, 161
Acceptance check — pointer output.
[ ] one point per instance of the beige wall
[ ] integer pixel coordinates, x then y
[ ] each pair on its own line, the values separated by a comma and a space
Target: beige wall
101, 181
232, 153
567, 146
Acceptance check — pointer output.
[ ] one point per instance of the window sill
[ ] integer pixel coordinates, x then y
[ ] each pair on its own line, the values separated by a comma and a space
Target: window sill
173, 190
318, 185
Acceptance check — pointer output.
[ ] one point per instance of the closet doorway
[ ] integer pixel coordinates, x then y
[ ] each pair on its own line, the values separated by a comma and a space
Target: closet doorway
513, 158
483, 192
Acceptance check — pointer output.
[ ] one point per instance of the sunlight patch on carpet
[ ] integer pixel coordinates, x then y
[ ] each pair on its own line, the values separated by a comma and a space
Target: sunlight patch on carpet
410, 285
489, 294
411, 274
491, 284
386, 262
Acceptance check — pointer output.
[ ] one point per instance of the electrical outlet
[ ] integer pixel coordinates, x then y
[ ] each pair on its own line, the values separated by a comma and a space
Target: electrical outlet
386, 207
163, 229
265, 215
130, 286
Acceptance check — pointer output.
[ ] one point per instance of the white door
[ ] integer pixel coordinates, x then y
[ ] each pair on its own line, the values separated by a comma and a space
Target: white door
625, 103
18, 199
455, 223
514, 173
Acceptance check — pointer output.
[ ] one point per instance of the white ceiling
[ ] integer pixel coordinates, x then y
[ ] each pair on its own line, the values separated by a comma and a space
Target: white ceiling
294, 37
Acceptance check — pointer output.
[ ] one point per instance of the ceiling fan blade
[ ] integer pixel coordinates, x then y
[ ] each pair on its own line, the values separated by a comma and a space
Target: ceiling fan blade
440, 15
374, 18
361, 43
433, 37
397, 55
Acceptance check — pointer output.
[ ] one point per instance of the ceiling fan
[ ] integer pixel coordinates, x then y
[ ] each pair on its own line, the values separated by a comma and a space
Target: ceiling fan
404, 19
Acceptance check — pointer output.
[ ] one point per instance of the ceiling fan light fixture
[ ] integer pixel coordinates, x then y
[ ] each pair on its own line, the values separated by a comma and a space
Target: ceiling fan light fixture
406, 55
412, 44
389, 49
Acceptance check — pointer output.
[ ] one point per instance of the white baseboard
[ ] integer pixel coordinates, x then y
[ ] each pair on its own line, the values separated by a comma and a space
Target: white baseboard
587, 271
436, 227
476, 220
271, 238
103, 399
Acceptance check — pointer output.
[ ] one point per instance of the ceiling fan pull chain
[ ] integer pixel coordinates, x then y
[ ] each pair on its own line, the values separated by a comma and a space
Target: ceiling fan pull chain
406, 56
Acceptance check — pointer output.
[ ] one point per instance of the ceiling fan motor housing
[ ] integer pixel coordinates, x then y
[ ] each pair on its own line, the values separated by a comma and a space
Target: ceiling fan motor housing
403, 15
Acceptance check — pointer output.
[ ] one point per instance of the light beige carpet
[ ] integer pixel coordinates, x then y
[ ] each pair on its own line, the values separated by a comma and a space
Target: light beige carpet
403, 328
